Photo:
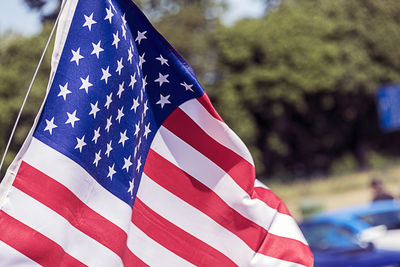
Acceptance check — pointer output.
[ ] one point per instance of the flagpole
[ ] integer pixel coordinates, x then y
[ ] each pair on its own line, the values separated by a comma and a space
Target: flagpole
31, 85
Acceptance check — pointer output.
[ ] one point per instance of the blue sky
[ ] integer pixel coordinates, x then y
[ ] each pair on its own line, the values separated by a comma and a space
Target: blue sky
16, 16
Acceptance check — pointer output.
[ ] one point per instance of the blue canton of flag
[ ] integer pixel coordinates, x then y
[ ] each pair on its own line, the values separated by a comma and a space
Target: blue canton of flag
114, 87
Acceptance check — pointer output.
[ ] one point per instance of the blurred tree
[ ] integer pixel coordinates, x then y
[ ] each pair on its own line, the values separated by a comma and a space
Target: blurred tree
189, 29
40, 6
299, 86
36, 4
19, 57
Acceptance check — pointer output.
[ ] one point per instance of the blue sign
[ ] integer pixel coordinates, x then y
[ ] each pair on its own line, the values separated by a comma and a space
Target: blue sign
389, 106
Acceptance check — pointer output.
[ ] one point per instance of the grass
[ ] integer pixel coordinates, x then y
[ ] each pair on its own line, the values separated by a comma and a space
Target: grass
336, 191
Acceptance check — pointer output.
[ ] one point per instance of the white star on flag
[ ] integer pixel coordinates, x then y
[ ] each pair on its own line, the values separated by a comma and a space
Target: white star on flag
86, 84
137, 129
163, 100
97, 49
123, 20
72, 118
109, 149
111, 172
135, 104
133, 80
162, 79
147, 130
141, 60
187, 86
127, 164
64, 91
162, 60
139, 164
94, 109
76, 56
120, 90
97, 158
120, 114
123, 31
106, 74
116, 40
50, 126
96, 135
109, 123
131, 186
108, 101
123, 139
144, 84
130, 55
109, 14
81, 143
89, 21
120, 66
140, 36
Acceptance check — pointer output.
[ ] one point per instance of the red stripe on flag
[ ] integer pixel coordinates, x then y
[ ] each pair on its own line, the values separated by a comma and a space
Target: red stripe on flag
33, 244
131, 259
287, 249
272, 200
186, 129
206, 103
61, 200
175, 239
180, 124
204, 199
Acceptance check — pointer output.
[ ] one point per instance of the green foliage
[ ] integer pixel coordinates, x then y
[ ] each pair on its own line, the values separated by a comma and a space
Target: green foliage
19, 57
344, 164
299, 85
189, 28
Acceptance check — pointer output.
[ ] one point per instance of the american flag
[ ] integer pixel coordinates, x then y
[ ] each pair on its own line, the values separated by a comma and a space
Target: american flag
129, 164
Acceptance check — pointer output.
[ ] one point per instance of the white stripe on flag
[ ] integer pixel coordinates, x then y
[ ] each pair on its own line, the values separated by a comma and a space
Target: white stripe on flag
75, 178
56, 228
259, 184
150, 252
262, 261
200, 167
11, 257
216, 129
196, 223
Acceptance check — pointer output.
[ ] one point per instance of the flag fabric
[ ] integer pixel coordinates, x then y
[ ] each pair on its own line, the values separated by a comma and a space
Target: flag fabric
129, 164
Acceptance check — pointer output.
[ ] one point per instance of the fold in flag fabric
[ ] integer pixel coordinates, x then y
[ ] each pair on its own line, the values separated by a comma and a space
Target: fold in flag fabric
128, 164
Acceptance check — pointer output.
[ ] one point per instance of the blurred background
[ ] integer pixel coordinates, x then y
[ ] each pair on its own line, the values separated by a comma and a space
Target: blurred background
297, 80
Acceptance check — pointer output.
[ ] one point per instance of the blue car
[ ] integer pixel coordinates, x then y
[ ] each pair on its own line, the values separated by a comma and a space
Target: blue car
361, 217
355, 236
